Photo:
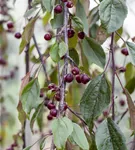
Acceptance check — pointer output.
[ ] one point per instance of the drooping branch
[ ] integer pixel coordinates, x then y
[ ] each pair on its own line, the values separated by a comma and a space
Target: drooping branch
113, 76
41, 59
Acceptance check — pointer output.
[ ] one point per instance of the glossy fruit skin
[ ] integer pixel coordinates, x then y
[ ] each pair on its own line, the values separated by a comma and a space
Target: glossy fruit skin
65, 107
124, 51
46, 101
48, 37
58, 9
3, 61
51, 86
57, 96
78, 78
122, 69
10, 25
75, 71
69, 4
122, 103
64, 1
71, 33
50, 106
50, 117
41, 94
105, 113
18, 35
68, 78
53, 112
81, 35
84, 79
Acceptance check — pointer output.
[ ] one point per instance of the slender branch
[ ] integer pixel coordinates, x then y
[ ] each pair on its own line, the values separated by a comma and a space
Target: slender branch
107, 62
133, 145
113, 76
77, 115
63, 84
122, 116
72, 61
120, 37
41, 59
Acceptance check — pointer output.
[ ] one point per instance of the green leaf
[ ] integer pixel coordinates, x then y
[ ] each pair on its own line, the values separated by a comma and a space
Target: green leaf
62, 49
46, 18
57, 21
95, 99
130, 86
47, 4
130, 72
80, 12
29, 12
35, 115
30, 96
54, 52
109, 137
74, 55
112, 14
94, 52
131, 48
28, 148
27, 34
42, 144
79, 137
77, 22
61, 129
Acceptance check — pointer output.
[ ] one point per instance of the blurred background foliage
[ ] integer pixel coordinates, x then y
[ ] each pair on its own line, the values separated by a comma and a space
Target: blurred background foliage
13, 69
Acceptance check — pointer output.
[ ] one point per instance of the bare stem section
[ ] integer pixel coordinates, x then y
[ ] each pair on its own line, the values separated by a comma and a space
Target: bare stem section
113, 76
63, 84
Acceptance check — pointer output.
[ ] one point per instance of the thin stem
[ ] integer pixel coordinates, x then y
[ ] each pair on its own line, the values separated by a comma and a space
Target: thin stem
77, 115
120, 37
107, 62
113, 76
122, 116
41, 59
72, 61
63, 84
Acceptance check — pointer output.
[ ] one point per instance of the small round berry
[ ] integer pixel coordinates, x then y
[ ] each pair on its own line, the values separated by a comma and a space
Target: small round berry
18, 35
78, 78
51, 86
64, 1
57, 96
65, 106
50, 117
124, 51
84, 79
75, 71
71, 33
105, 113
14, 145
3, 61
6, 77
50, 106
41, 94
48, 37
122, 103
53, 112
68, 78
69, 4
10, 25
58, 9
81, 35
122, 69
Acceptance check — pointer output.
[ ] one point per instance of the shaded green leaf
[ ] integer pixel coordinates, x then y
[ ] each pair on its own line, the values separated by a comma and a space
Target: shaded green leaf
95, 99
80, 12
112, 14
131, 48
47, 4
31, 11
61, 129
27, 34
28, 148
62, 49
46, 18
109, 136
74, 55
94, 52
42, 144
79, 137
30, 96
130, 86
54, 52
130, 72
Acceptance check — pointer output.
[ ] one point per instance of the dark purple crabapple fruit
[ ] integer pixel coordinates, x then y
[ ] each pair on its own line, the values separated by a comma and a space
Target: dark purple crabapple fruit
58, 9
51, 86
71, 33
57, 96
50, 117
50, 106
122, 103
75, 71
68, 78
81, 35
124, 51
18, 35
70, 4
64, 1
3, 61
48, 37
10, 25
78, 78
53, 112
85, 79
